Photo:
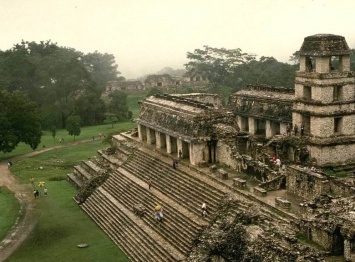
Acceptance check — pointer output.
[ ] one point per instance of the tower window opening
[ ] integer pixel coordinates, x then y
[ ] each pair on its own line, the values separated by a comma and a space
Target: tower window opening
310, 64
338, 121
334, 63
307, 92
337, 93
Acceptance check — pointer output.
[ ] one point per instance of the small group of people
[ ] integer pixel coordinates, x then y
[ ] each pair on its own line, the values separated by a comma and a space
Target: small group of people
36, 192
295, 129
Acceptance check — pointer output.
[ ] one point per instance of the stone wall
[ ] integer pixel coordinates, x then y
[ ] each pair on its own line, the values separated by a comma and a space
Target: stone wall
305, 183
332, 153
213, 99
274, 184
322, 237
263, 102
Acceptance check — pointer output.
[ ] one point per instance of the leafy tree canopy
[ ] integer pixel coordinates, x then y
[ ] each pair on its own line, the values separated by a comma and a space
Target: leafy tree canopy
118, 105
217, 64
102, 67
19, 121
60, 78
234, 69
73, 126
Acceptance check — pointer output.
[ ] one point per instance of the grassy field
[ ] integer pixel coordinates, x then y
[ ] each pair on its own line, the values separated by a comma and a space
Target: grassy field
9, 210
132, 102
61, 223
86, 133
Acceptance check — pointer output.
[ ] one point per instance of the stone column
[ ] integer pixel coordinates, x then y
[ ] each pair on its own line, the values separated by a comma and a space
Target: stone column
158, 139
252, 125
140, 136
283, 128
197, 153
179, 146
168, 144
347, 250
268, 129
149, 136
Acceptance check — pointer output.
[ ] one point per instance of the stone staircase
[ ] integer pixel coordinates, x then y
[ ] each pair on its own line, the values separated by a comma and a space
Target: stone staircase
178, 227
134, 238
179, 186
181, 192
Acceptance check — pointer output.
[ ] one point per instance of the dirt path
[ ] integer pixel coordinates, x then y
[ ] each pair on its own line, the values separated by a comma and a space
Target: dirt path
23, 192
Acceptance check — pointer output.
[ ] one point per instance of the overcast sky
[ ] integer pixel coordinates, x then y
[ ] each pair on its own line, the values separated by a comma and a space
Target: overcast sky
147, 35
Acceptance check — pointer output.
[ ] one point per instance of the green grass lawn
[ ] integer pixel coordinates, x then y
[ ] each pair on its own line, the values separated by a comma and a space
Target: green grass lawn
86, 133
61, 223
9, 210
132, 102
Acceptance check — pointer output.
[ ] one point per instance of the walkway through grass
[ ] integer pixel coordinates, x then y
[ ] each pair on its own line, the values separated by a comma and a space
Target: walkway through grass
61, 223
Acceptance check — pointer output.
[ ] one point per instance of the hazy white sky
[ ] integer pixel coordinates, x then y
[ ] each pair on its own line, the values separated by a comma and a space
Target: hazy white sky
147, 35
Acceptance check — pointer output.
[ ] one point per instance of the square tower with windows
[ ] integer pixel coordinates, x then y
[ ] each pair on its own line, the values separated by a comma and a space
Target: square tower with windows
325, 99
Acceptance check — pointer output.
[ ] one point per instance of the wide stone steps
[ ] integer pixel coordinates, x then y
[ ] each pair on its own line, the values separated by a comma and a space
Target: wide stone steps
178, 233
186, 178
191, 193
81, 173
124, 228
181, 195
145, 195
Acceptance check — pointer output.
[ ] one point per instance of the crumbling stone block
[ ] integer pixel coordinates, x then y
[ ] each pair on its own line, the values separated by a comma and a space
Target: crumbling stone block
222, 174
238, 182
282, 203
260, 191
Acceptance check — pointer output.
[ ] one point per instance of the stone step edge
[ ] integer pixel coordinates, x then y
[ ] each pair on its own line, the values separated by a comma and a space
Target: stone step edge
164, 244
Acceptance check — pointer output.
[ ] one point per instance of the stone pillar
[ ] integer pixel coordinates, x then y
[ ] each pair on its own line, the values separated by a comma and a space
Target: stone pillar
197, 153
322, 64
252, 125
283, 128
344, 63
347, 250
149, 136
168, 144
302, 63
140, 136
158, 139
268, 129
179, 146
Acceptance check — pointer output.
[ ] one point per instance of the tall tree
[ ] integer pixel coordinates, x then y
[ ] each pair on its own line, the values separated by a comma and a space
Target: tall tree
73, 126
118, 105
19, 121
102, 67
217, 64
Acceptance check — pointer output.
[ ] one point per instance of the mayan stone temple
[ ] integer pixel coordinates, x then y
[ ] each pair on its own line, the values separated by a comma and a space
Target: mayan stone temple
274, 168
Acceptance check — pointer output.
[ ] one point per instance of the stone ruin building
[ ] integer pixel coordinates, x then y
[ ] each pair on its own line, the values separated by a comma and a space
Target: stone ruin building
297, 209
124, 85
164, 81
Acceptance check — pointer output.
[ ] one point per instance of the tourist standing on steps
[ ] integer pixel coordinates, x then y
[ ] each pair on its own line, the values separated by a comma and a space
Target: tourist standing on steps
149, 182
288, 129
204, 210
174, 163
295, 129
302, 129
180, 154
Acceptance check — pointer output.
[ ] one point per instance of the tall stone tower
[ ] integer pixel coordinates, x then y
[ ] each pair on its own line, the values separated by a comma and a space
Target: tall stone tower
325, 99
